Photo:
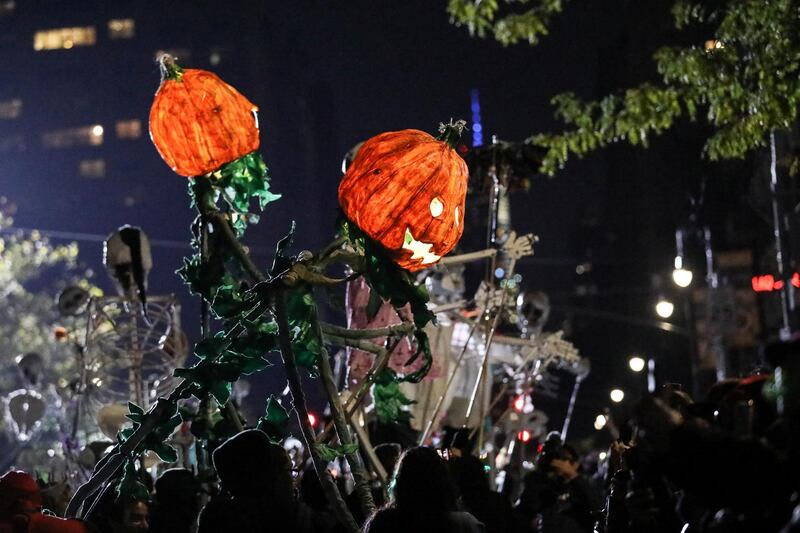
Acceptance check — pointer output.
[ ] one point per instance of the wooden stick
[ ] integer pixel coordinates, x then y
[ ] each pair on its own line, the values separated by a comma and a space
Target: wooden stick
360, 476
468, 257
403, 328
381, 360
332, 494
367, 446
429, 426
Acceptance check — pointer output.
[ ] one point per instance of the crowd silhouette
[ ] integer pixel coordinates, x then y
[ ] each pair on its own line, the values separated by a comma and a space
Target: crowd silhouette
725, 464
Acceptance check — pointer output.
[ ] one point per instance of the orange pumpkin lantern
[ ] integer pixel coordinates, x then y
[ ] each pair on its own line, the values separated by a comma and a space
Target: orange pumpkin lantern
198, 122
406, 190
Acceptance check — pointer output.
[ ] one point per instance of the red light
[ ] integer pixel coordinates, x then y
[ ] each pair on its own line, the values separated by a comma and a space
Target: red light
312, 420
524, 435
519, 403
763, 283
768, 283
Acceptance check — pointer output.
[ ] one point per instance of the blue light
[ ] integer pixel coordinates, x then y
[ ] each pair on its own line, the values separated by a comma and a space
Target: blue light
499, 273
477, 127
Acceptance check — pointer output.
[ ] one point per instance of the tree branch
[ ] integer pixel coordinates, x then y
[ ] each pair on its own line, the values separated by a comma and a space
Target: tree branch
236, 247
381, 361
295, 385
403, 328
345, 438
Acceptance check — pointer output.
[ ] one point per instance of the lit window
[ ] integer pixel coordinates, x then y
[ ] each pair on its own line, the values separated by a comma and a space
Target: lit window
121, 28
83, 136
11, 108
713, 44
92, 168
129, 129
7, 7
64, 38
13, 143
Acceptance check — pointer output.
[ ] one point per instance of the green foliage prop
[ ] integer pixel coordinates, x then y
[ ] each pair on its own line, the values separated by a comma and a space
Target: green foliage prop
331, 453
275, 422
216, 271
389, 399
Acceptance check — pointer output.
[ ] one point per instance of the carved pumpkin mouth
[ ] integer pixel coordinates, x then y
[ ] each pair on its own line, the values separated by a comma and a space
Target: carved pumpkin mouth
419, 250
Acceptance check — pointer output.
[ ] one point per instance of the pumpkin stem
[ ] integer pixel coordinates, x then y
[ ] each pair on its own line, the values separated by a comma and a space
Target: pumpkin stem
451, 132
170, 70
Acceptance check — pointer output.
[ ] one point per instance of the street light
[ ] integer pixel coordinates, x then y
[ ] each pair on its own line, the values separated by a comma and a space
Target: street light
617, 395
681, 276
600, 422
664, 308
636, 363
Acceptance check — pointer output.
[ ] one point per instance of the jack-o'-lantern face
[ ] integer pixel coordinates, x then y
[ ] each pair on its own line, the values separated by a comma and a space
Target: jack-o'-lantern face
406, 190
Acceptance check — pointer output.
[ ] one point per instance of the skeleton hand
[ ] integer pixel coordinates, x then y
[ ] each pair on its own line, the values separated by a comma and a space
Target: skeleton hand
518, 247
562, 350
488, 298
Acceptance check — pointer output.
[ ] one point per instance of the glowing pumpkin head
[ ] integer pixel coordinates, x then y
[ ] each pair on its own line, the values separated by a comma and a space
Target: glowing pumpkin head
406, 190
198, 122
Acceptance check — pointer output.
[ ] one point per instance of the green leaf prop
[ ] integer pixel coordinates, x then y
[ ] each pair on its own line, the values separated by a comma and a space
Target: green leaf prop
155, 440
275, 422
260, 338
199, 279
331, 453
211, 347
306, 341
389, 399
373, 304
215, 378
424, 350
282, 260
241, 181
129, 488
209, 427
227, 301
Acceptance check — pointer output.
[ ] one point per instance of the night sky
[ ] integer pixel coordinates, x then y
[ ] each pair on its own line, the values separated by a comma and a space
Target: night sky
327, 76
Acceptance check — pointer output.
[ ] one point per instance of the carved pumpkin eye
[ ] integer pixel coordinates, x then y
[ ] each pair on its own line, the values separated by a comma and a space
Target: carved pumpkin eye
436, 207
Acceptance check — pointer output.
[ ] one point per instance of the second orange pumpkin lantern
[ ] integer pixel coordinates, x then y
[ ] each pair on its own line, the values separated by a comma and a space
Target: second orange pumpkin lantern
406, 190
198, 122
